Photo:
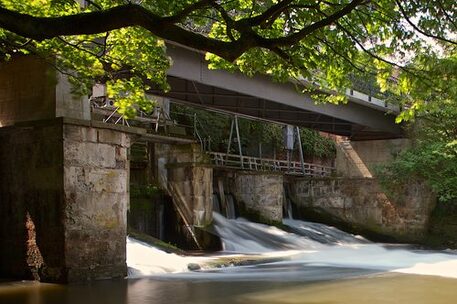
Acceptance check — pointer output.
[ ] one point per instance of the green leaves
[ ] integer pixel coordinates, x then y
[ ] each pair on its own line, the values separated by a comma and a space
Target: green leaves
404, 45
129, 94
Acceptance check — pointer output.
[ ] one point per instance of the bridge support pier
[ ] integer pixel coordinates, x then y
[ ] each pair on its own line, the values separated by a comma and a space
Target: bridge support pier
63, 201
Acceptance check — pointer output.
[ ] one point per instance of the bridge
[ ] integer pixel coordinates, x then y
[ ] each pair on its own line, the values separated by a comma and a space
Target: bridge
364, 117
47, 132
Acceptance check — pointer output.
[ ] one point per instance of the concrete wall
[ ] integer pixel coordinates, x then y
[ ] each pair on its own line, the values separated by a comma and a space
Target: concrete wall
68, 104
360, 158
365, 206
261, 194
27, 90
30, 89
192, 188
64, 196
96, 195
31, 202
173, 154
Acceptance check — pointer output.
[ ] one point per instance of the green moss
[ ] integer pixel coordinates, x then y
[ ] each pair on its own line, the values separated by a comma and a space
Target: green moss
145, 191
442, 231
153, 241
368, 230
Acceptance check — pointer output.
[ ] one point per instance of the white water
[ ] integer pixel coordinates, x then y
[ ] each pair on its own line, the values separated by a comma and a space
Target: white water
314, 245
145, 260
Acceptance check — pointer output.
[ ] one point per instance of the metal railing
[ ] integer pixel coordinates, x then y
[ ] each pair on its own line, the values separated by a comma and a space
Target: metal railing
235, 161
188, 124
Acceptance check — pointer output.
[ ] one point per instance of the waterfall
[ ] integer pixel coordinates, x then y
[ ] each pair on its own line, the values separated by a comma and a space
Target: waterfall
322, 233
244, 236
287, 208
311, 250
230, 208
315, 244
216, 203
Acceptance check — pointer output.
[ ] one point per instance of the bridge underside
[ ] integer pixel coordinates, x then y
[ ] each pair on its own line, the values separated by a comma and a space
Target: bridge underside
197, 94
193, 83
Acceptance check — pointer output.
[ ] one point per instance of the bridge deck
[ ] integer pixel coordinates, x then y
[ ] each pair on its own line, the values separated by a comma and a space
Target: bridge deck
364, 117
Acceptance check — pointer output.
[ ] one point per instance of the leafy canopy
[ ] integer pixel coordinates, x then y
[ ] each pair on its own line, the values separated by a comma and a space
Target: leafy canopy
318, 43
433, 156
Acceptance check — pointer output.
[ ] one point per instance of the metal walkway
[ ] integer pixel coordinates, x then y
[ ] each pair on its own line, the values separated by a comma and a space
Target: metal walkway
235, 161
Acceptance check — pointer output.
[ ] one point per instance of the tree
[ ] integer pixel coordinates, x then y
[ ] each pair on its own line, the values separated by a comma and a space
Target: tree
121, 42
433, 155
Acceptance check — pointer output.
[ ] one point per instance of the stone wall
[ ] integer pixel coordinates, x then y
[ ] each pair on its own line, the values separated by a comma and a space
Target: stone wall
366, 207
64, 196
260, 194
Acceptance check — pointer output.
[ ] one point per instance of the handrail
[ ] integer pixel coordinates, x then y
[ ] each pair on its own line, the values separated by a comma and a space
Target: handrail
236, 161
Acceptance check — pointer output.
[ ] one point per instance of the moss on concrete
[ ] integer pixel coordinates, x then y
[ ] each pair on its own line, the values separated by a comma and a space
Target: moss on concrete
369, 231
167, 247
442, 232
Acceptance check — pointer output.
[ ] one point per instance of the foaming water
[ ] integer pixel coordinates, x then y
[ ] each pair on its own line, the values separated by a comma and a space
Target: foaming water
243, 236
317, 249
322, 233
320, 245
145, 260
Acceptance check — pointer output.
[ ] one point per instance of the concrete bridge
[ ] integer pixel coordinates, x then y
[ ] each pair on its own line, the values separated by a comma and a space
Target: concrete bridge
363, 117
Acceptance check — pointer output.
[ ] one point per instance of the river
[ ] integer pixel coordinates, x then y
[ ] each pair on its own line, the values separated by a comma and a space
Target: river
316, 264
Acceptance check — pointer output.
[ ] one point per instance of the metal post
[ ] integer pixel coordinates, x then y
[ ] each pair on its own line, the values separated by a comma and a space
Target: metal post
300, 150
230, 138
239, 140
195, 124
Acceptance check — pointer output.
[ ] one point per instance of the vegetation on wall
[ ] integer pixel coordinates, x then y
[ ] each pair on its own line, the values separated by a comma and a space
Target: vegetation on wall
216, 127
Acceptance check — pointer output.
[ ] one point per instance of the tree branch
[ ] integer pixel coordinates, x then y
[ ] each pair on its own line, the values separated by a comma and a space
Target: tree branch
259, 19
187, 11
294, 38
415, 27
40, 28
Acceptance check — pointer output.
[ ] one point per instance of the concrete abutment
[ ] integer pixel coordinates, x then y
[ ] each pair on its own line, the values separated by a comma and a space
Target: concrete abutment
64, 198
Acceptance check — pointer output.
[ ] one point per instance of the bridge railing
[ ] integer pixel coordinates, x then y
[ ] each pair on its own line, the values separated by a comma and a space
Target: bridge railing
235, 161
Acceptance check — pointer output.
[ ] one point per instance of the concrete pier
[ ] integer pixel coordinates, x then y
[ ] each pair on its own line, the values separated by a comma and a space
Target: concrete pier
64, 198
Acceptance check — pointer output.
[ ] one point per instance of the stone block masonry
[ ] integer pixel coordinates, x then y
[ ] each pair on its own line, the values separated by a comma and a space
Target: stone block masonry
261, 195
402, 215
64, 198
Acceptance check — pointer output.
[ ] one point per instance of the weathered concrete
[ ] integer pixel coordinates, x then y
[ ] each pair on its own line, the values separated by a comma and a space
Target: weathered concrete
365, 206
27, 90
30, 89
174, 154
64, 197
261, 194
96, 187
192, 188
360, 158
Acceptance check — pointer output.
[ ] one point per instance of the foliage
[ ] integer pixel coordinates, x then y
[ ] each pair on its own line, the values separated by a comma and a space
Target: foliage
314, 144
317, 43
433, 156
144, 191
